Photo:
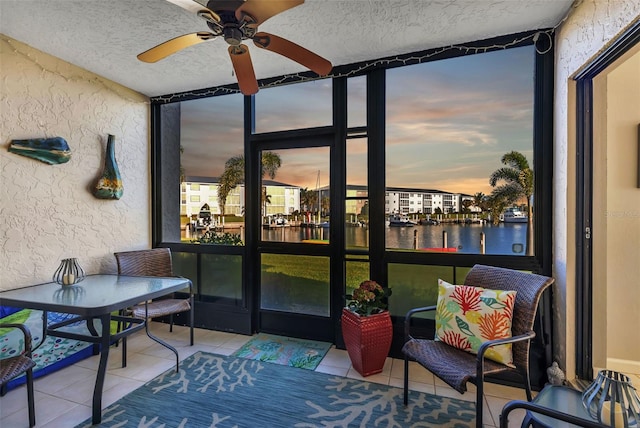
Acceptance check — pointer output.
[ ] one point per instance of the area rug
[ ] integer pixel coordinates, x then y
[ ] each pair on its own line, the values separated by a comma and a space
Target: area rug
55, 353
304, 354
224, 392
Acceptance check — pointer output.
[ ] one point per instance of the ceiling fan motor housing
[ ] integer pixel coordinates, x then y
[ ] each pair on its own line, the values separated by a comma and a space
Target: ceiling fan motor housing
233, 35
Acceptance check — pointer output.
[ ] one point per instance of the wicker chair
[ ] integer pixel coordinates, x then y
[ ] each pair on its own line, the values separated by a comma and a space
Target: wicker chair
16, 365
457, 367
154, 262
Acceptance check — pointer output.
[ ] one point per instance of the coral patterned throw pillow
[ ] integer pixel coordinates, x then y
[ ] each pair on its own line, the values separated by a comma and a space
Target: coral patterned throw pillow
467, 316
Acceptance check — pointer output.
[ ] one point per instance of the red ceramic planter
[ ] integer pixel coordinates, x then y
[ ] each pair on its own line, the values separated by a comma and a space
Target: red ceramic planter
368, 340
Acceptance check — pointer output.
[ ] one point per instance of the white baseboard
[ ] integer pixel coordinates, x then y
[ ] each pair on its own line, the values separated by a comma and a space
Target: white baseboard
624, 366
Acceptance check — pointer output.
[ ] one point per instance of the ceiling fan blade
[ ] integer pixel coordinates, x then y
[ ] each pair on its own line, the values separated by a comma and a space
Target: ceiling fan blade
172, 46
262, 10
243, 68
194, 7
294, 52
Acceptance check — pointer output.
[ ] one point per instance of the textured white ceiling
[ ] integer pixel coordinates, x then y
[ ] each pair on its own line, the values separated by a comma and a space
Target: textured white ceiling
104, 36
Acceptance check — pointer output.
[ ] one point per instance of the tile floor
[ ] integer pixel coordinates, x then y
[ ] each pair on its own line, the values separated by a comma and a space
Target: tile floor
63, 398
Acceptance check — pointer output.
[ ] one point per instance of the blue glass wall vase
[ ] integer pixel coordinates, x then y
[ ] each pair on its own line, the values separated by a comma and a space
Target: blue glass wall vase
109, 185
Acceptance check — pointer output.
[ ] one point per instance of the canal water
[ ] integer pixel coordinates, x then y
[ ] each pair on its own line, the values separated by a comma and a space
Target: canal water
504, 239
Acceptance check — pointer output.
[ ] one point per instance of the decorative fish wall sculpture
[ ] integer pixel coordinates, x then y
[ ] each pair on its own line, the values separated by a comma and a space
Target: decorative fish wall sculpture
48, 150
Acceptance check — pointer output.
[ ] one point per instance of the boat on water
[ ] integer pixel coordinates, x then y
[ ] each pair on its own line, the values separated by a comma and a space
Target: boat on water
401, 220
514, 215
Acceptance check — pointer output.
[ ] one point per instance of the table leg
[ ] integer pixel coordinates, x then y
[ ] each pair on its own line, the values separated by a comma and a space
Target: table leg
92, 329
157, 339
45, 320
105, 320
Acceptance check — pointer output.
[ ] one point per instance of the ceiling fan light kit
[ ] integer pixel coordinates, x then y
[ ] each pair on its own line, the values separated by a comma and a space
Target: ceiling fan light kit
235, 21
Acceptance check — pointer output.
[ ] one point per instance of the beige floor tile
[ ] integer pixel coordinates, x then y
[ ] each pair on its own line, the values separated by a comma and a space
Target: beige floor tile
63, 398
414, 386
417, 373
332, 370
224, 350
70, 418
64, 378
495, 407
49, 407
13, 401
337, 358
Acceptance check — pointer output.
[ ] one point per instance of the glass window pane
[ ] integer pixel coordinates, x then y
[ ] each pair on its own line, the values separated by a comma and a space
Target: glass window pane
415, 286
357, 271
357, 101
186, 265
357, 223
357, 167
295, 203
449, 124
221, 279
296, 106
295, 284
211, 133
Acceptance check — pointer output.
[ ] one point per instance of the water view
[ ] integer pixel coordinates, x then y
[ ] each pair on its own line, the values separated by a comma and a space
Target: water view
504, 239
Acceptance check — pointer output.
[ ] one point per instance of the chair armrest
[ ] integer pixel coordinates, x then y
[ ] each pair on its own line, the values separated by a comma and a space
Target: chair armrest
27, 336
536, 408
490, 343
407, 319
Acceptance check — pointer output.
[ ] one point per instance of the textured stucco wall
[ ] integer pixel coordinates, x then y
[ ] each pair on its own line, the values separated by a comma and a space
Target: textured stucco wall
591, 26
47, 212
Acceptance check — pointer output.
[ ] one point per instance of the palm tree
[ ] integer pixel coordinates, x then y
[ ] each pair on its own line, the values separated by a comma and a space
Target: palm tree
270, 163
266, 200
495, 205
480, 201
517, 183
308, 199
233, 174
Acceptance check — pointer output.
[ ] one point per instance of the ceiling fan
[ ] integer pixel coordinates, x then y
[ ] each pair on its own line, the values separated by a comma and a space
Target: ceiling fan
238, 20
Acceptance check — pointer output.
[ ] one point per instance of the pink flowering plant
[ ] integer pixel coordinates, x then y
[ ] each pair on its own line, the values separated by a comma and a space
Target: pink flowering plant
368, 298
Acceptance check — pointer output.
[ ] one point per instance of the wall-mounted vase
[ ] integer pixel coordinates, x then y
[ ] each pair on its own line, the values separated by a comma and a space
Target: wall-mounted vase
109, 186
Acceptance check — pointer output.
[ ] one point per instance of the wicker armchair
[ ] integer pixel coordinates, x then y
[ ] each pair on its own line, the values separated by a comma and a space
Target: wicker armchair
457, 367
154, 262
16, 365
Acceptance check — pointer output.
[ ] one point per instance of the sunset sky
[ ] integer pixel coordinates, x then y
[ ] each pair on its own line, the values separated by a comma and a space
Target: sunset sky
448, 123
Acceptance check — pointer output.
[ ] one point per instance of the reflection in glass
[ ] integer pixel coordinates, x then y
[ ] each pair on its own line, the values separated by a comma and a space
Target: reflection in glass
295, 284
69, 295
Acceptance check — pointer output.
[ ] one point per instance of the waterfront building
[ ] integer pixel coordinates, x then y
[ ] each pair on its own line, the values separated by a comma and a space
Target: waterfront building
197, 191
284, 199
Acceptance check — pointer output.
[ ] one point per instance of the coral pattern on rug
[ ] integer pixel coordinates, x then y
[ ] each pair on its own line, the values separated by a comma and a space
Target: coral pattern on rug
217, 391
288, 351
